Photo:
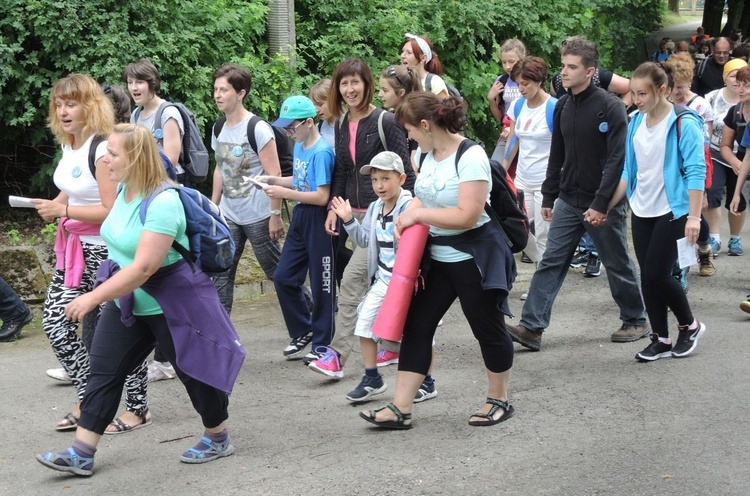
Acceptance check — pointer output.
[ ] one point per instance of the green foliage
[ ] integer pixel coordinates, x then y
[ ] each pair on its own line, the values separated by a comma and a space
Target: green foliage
49, 232
14, 236
42, 40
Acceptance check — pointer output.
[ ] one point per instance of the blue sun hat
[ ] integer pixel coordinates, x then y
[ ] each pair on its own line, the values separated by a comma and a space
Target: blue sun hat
295, 108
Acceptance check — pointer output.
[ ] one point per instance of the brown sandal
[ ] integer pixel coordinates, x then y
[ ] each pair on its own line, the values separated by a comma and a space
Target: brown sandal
68, 423
121, 427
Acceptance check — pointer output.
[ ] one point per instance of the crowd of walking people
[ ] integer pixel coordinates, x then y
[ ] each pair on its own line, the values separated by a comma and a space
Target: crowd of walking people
361, 176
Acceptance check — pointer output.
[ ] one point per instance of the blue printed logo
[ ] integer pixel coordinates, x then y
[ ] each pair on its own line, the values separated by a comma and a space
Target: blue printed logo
237, 151
159, 134
603, 127
76, 171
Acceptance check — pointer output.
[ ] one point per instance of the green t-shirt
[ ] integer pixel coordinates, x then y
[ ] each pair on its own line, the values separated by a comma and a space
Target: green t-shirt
122, 230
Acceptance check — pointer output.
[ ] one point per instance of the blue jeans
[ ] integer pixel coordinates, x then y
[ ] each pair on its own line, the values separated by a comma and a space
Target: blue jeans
611, 239
11, 306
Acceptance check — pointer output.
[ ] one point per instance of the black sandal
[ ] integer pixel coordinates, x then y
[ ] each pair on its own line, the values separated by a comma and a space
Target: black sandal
399, 423
490, 416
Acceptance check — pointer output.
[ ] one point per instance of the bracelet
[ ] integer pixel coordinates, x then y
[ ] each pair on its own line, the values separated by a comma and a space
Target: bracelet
66, 211
693, 217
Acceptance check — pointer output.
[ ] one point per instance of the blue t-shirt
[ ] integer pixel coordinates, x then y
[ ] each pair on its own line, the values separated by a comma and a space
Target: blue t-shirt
746, 138
313, 166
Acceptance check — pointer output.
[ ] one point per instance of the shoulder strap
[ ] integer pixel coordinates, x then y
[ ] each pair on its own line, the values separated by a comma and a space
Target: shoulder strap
184, 252
95, 142
219, 125
137, 114
518, 106
465, 145
701, 68
254, 120
691, 100
159, 111
428, 82
550, 111
381, 132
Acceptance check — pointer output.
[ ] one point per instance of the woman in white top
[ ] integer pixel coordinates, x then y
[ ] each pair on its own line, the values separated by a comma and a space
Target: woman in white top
80, 111
532, 128
663, 178
503, 91
418, 54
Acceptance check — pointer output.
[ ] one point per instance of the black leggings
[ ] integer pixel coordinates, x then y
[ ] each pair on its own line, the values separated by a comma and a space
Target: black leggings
117, 349
655, 243
444, 283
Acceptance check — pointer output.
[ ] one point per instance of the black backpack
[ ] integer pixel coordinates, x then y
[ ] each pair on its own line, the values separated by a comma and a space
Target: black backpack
452, 90
506, 209
284, 145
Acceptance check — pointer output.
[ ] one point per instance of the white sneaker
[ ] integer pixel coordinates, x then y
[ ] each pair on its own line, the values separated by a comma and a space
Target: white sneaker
158, 371
59, 375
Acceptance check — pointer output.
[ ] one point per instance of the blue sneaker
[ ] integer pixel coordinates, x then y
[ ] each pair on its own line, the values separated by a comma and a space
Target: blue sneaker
367, 388
734, 248
715, 246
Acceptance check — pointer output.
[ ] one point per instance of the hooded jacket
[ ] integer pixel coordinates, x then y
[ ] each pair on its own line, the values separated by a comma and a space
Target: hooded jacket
684, 160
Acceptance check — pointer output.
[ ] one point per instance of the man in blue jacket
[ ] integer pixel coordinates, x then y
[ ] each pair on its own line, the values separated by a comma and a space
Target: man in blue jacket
585, 164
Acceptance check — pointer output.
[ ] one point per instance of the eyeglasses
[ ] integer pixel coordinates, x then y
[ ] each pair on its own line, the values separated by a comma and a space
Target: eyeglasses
721, 53
391, 71
293, 129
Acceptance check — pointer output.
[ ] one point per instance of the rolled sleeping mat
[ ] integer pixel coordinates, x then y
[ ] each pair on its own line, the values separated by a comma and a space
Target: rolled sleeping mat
389, 323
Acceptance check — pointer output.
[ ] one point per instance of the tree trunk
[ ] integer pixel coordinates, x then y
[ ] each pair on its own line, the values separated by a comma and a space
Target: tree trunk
734, 12
674, 6
712, 14
744, 22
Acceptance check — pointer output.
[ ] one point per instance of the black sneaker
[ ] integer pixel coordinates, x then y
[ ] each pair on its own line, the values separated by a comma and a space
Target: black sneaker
525, 258
593, 266
655, 350
367, 388
688, 340
580, 259
297, 346
426, 391
12, 328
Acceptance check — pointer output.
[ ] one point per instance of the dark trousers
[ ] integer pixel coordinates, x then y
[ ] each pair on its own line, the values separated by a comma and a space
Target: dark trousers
655, 243
11, 306
117, 350
308, 248
444, 283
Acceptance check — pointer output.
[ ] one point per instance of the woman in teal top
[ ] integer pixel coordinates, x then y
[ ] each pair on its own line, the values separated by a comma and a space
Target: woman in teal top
143, 251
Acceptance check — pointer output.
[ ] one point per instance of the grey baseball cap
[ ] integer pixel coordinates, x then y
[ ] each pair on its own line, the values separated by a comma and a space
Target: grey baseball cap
384, 161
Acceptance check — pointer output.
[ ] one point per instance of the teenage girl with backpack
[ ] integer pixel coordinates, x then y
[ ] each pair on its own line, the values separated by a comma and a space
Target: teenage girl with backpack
79, 111
418, 54
138, 285
397, 81
505, 90
663, 178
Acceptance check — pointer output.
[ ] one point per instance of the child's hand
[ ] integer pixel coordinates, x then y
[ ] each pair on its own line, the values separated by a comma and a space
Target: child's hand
342, 208
276, 192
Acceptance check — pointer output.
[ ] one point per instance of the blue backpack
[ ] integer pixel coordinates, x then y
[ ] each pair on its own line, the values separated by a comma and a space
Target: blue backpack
211, 242
549, 114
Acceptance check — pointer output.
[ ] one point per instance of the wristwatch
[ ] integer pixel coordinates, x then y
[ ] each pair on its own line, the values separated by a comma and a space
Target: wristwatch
275, 212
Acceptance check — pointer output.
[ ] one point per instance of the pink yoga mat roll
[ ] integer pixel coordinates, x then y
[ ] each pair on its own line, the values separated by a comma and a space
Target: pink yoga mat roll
389, 324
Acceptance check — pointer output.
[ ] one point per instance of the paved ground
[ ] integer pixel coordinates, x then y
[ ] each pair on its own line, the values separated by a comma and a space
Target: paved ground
589, 419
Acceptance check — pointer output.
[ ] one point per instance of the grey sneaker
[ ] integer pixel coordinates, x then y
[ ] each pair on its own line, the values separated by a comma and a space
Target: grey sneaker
629, 332
525, 337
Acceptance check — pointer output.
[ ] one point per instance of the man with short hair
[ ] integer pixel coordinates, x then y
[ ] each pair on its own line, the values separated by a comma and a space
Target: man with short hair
709, 73
585, 164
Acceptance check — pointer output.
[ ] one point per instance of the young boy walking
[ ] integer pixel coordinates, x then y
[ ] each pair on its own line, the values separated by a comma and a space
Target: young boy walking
308, 247
386, 171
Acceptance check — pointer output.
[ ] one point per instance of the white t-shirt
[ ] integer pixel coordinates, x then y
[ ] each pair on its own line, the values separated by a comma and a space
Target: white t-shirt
437, 187
703, 108
649, 198
170, 112
720, 107
73, 177
534, 141
329, 134
241, 202
437, 85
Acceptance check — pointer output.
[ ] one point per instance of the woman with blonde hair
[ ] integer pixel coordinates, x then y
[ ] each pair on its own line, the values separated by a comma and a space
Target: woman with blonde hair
80, 114
142, 309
